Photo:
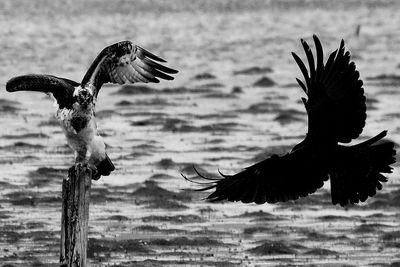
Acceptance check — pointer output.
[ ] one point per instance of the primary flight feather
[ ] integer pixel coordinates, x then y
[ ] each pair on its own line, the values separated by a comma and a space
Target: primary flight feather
119, 63
336, 108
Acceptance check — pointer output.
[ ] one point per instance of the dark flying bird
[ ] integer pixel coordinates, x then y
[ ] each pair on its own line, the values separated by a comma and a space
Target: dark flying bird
336, 111
120, 63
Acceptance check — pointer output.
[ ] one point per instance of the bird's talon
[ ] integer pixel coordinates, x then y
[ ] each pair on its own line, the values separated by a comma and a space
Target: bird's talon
82, 165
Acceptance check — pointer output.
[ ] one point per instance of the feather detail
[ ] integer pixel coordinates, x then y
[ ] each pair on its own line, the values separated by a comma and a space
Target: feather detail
123, 63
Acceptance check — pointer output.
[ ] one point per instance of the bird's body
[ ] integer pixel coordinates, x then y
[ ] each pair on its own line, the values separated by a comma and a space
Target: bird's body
119, 63
80, 129
336, 108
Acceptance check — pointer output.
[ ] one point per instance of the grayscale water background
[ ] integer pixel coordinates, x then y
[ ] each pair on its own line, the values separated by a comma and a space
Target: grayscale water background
211, 116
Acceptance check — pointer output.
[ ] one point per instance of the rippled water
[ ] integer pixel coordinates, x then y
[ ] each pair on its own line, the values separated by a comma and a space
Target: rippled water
212, 115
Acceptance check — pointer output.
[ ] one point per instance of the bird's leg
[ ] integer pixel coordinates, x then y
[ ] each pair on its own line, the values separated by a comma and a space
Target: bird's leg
80, 165
90, 164
95, 173
81, 159
80, 155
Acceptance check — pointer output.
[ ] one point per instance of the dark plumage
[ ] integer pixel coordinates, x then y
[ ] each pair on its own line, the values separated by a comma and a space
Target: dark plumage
336, 113
62, 89
119, 63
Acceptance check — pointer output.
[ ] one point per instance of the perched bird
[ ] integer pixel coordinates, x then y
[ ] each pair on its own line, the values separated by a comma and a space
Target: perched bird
336, 108
120, 63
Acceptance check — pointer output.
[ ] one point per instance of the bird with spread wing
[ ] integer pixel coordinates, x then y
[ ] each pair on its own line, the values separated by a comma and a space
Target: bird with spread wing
336, 108
119, 63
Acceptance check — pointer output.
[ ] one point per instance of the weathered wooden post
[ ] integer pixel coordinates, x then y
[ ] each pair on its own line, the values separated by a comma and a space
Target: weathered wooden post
75, 217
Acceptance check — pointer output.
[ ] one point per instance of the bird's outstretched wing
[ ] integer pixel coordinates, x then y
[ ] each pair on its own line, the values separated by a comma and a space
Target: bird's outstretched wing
62, 89
336, 111
276, 179
125, 62
336, 103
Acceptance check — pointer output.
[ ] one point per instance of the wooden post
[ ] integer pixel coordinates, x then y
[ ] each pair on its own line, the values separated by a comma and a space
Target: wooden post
75, 216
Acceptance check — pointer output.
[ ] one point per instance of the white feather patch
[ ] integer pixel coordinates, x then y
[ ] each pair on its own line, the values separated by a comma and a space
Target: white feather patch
76, 91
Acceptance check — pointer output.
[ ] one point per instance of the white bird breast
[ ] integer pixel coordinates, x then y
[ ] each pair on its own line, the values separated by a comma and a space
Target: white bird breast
82, 140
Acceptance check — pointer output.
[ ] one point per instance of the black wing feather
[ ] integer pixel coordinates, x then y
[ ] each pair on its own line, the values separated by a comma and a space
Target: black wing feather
310, 59
302, 68
124, 62
336, 113
62, 89
272, 180
336, 103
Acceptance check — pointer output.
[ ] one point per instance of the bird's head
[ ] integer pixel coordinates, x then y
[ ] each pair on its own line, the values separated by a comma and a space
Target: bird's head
84, 96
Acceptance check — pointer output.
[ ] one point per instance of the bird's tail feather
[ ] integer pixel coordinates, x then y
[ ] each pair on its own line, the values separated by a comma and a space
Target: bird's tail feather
358, 174
104, 168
